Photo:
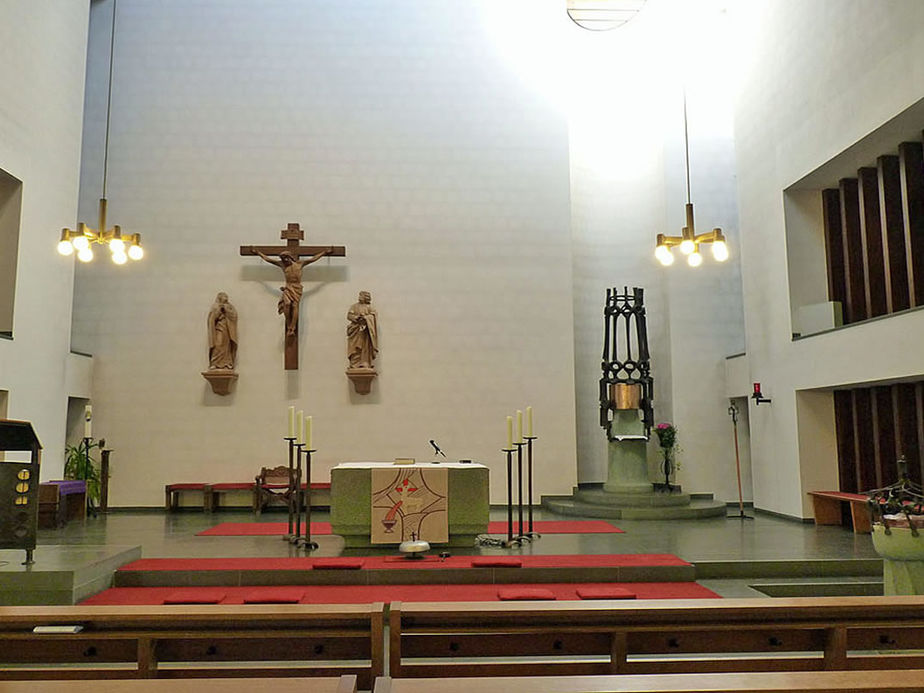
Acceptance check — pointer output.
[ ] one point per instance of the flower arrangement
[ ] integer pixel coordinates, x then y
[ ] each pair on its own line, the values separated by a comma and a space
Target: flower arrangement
667, 439
667, 436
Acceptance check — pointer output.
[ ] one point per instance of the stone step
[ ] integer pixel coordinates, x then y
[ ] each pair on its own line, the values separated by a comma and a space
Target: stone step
820, 588
567, 505
786, 568
630, 500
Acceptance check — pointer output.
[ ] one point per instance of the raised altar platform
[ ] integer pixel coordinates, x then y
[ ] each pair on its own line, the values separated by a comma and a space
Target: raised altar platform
351, 504
592, 500
61, 574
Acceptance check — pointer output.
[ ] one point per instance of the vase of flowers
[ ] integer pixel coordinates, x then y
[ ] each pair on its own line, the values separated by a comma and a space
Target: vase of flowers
667, 440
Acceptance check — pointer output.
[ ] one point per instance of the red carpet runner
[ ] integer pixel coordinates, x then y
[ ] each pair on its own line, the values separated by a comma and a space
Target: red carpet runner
365, 594
261, 529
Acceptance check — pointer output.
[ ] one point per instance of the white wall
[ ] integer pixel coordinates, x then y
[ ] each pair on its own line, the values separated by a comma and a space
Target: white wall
405, 131
43, 49
814, 78
628, 185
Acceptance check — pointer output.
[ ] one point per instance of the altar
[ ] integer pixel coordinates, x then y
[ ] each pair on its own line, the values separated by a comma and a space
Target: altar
460, 504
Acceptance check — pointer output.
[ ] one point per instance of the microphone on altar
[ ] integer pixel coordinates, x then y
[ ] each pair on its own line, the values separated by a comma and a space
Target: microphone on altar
436, 448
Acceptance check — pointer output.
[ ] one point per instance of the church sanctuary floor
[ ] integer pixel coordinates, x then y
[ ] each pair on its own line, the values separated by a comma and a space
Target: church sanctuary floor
731, 556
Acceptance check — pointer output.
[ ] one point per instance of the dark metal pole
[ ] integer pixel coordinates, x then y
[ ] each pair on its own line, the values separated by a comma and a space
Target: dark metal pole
306, 542
291, 533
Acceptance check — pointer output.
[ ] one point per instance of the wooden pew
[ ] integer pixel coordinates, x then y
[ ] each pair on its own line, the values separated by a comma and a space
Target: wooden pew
655, 636
319, 684
195, 641
889, 681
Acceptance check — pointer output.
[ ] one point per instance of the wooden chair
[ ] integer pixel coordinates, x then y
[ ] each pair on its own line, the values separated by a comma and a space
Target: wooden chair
273, 485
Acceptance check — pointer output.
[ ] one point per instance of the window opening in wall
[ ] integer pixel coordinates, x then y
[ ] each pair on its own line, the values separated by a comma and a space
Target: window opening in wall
10, 211
855, 230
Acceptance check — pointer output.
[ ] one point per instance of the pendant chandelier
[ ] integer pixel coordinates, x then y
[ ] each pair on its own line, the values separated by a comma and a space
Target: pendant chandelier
122, 248
688, 240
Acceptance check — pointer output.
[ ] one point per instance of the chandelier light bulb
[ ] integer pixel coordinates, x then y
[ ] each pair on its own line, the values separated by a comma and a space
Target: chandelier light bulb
687, 246
664, 255
119, 258
720, 251
694, 259
117, 245
66, 248
135, 252
85, 255
82, 243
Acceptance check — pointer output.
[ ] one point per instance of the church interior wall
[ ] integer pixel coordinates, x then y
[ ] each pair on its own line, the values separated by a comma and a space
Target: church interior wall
483, 225
805, 95
393, 129
40, 126
628, 185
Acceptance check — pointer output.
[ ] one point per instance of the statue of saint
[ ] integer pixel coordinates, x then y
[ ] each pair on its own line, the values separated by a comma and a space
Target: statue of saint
222, 324
362, 332
292, 292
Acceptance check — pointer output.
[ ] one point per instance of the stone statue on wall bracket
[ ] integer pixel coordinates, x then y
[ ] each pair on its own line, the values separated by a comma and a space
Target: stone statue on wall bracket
362, 343
222, 335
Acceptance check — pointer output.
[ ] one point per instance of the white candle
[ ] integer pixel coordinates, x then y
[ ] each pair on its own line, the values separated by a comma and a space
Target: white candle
291, 422
87, 419
308, 432
509, 432
519, 426
529, 422
299, 417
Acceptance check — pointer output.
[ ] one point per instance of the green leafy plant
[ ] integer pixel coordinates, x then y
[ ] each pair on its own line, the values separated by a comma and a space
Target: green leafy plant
80, 465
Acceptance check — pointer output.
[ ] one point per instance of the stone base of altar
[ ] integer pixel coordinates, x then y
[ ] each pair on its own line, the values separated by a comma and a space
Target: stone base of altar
351, 501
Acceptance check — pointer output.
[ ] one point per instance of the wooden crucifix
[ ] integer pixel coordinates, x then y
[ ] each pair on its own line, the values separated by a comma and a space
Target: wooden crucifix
291, 266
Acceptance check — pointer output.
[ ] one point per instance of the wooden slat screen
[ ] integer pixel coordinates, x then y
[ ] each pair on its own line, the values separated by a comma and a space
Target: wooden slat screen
874, 427
874, 236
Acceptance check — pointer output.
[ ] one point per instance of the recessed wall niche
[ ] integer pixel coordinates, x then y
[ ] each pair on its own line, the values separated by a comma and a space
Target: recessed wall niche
10, 210
855, 230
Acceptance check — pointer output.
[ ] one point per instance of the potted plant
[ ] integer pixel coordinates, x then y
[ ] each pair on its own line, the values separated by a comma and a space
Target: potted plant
80, 465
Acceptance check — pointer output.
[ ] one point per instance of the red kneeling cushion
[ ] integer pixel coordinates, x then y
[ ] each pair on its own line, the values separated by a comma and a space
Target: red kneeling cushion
199, 595
605, 593
496, 562
524, 593
274, 595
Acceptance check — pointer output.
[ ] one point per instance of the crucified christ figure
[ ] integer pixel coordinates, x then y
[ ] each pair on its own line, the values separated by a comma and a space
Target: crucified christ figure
292, 292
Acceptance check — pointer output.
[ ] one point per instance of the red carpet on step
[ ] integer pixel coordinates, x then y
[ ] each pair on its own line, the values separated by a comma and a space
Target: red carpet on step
384, 562
366, 594
261, 529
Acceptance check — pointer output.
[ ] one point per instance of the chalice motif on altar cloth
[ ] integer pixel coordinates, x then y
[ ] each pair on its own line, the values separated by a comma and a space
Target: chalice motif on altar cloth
409, 502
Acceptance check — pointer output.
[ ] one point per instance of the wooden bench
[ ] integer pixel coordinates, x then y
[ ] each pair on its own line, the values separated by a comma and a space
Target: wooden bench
194, 641
827, 509
887, 681
212, 493
320, 684
655, 636
218, 490
172, 494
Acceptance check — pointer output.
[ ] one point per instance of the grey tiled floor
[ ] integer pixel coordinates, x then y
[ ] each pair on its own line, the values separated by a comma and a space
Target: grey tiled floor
765, 538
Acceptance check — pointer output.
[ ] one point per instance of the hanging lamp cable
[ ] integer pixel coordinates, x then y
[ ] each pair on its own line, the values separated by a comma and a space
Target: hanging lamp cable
109, 98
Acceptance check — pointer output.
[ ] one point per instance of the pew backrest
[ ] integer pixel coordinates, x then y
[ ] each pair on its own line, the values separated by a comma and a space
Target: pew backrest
656, 636
192, 641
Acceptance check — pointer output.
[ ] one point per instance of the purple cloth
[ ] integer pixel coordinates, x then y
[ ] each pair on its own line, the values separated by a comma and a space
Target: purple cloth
69, 486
